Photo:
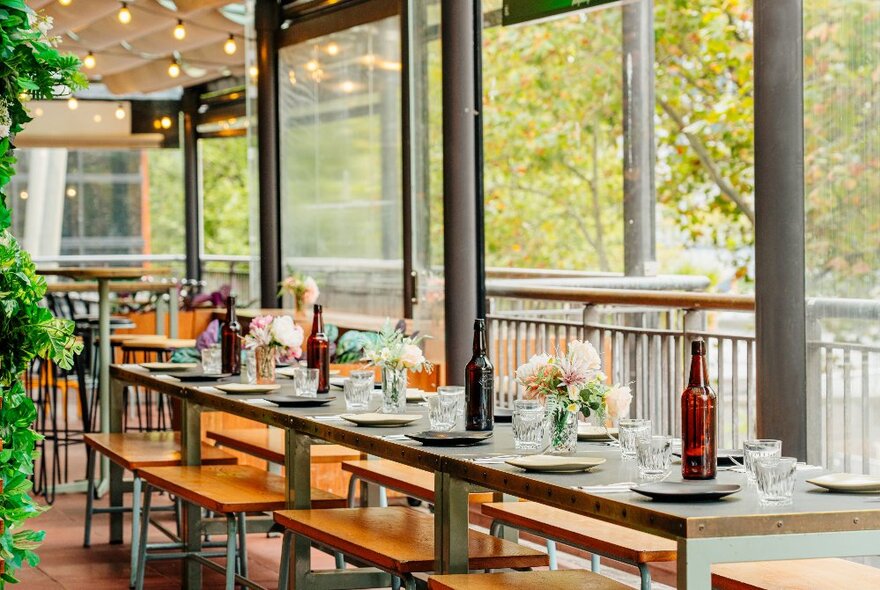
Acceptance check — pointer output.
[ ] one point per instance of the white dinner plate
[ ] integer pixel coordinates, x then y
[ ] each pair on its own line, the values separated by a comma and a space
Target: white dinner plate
385, 420
847, 482
600, 433
247, 388
556, 463
170, 367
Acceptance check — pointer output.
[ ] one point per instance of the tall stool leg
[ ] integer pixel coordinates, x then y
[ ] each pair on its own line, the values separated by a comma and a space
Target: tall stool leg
135, 526
142, 545
90, 495
242, 544
551, 554
352, 486
284, 569
595, 563
646, 576
230, 551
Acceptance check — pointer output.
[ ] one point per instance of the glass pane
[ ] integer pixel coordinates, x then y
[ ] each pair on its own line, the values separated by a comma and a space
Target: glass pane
842, 178
341, 191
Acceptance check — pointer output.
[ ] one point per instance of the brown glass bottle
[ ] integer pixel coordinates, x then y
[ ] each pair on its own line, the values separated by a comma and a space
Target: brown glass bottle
318, 350
479, 384
698, 420
230, 340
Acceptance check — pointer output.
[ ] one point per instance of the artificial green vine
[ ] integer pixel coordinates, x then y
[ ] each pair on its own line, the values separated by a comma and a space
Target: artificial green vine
30, 68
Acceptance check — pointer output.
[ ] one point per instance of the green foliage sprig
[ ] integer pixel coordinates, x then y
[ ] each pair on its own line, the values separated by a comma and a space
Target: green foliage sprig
30, 67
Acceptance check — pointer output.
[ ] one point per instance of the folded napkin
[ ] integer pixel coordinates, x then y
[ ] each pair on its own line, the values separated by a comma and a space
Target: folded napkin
612, 488
261, 402
396, 437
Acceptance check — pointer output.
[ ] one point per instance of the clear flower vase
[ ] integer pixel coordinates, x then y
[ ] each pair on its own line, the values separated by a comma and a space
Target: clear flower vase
265, 365
393, 391
563, 429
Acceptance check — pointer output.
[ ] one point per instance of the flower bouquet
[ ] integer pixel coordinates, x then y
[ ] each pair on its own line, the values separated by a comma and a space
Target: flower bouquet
569, 384
395, 353
271, 338
303, 288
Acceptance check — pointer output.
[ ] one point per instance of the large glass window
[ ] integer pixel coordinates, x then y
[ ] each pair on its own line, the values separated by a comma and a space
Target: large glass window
842, 177
340, 115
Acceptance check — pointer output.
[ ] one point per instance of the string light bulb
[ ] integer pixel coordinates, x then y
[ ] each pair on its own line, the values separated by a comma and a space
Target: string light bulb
72, 103
179, 31
332, 49
124, 14
120, 112
65, 2
165, 122
230, 47
174, 68
89, 61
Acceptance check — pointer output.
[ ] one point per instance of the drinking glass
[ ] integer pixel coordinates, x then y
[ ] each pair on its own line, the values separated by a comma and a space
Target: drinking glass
775, 477
441, 412
758, 449
528, 425
630, 431
357, 394
458, 393
654, 454
250, 360
306, 382
211, 363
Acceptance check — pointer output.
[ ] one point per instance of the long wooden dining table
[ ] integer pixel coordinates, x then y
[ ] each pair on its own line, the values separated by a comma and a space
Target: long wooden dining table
736, 529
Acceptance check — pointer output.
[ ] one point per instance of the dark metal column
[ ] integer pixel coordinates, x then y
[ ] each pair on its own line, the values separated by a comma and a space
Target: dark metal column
779, 227
639, 251
192, 215
460, 251
266, 22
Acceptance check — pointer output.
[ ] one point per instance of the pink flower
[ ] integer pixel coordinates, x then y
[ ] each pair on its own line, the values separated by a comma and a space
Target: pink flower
617, 401
310, 291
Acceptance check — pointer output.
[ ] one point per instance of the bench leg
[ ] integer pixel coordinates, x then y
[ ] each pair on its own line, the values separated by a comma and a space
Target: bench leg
409, 581
284, 570
242, 544
90, 496
352, 486
395, 583
551, 554
231, 558
595, 563
646, 576
135, 526
142, 545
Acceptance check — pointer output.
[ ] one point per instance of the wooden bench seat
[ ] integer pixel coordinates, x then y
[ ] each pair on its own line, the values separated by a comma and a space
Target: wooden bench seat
799, 574
558, 580
268, 444
230, 488
160, 344
412, 481
399, 540
137, 450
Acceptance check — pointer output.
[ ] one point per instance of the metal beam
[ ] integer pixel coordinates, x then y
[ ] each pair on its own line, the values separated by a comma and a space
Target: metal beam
779, 227
266, 23
460, 229
192, 214
639, 250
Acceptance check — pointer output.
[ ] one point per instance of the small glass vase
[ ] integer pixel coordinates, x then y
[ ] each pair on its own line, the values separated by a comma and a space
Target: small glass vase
265, 365
393, 391
563, 428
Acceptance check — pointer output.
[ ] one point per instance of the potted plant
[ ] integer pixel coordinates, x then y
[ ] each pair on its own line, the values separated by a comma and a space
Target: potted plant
570, 383
30, 68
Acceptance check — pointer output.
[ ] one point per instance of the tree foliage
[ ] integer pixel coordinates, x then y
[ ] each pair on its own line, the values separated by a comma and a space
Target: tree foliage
30, 67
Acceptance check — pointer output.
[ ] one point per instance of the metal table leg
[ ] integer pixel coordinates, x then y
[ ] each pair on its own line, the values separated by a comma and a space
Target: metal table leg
451, 524
111, 421
298, 457
173, 311
190, 446
104, 351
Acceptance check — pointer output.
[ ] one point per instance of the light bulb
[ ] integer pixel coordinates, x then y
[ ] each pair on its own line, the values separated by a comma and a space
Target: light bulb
71, 192
89, 60
165, 122
333, 49
230, 47
120, 112
65, 2
291, 75
96, 118
312, 65
347, 86
24, 195
174, 69
253, 72
72, 103
179, 31
124, 14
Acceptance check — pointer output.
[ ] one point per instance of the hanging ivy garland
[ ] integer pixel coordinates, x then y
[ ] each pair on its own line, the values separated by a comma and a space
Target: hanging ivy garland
30, 68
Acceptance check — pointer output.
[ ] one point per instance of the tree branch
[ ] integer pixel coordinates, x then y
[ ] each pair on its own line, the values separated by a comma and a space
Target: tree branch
709, 164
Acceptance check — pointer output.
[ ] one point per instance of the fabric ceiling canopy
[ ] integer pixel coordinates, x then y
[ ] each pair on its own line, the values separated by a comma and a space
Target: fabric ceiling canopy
135, 57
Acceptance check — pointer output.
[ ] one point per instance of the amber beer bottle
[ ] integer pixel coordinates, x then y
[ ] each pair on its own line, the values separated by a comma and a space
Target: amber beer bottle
318, 350
698, 420
230, 340
479, 385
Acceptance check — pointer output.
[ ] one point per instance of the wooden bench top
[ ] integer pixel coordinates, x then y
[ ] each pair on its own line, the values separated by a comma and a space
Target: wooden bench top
230, 488
268, 444
399, 539
608, 539
800, 574
412, 481
137, 450
160, 343
556, 580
